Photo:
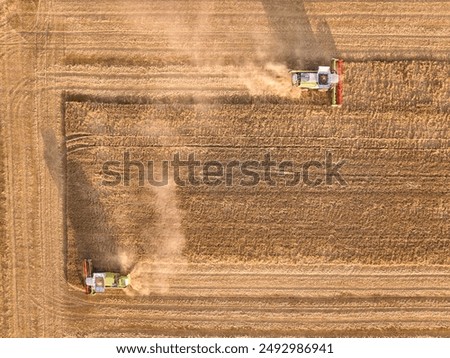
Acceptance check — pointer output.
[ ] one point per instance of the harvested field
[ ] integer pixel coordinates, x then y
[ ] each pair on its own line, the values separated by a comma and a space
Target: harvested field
85, 82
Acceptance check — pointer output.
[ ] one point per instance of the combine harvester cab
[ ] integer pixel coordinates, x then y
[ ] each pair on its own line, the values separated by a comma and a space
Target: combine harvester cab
96, 282
326, 78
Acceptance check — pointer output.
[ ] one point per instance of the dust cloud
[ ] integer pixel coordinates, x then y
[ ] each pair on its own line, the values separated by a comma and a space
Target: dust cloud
269, 79
167, 240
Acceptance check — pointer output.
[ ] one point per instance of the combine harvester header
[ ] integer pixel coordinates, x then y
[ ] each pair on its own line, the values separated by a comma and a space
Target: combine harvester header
326, 78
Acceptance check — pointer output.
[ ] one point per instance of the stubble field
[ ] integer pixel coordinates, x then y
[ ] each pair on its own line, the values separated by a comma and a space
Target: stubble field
83, 83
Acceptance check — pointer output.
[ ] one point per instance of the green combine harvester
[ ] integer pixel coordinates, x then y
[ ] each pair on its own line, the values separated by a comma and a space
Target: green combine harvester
326, 78
96, 282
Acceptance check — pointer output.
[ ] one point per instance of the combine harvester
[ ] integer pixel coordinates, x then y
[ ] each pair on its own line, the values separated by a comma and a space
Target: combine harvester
326, 78
97, 281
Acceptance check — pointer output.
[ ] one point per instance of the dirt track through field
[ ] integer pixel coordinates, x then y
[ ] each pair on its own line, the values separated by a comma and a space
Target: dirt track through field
82, 82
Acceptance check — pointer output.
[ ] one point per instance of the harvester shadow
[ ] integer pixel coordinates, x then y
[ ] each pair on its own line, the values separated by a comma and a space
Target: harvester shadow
296, 44
91, 233
96, 215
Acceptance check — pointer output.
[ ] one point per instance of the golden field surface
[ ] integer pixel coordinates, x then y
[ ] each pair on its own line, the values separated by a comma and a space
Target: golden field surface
83, 83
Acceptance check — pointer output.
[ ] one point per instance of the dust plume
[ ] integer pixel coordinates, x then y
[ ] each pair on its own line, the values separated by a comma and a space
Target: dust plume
125, 260
167, 241
269, 79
